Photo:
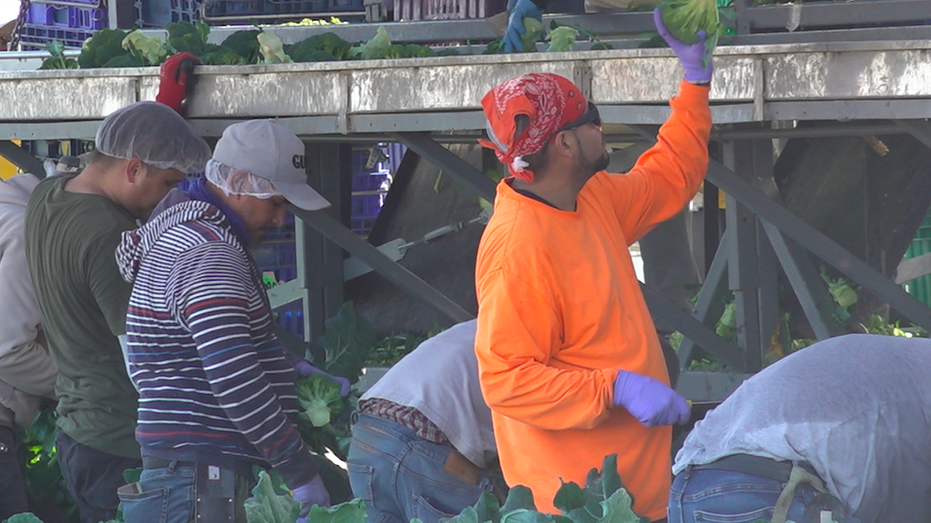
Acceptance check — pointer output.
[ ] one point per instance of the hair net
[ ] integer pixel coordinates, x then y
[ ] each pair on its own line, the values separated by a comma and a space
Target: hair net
221, 175
156, 135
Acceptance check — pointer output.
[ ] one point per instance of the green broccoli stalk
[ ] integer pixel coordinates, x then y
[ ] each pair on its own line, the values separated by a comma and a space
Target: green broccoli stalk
319, 398
57, 59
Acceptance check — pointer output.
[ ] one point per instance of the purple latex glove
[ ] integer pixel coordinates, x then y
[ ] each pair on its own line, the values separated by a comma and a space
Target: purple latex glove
690, 56
519, 9
303, 368
310, 494
649, 400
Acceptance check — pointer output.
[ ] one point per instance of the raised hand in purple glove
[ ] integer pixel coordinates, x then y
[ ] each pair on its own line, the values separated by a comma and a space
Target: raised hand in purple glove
698, 70
303, 368
648, 400
310, 494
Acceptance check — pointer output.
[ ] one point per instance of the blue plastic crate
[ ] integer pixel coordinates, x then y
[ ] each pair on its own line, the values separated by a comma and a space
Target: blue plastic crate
275, 254
44, 15
217, 8
67, 17
345, 5
368, 182
362, 226
359, 158
35, 37
282, 233
291, 318
366, 206
88, 18
160, 13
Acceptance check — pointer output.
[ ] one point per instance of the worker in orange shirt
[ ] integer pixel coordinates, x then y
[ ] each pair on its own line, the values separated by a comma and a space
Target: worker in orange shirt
569, 359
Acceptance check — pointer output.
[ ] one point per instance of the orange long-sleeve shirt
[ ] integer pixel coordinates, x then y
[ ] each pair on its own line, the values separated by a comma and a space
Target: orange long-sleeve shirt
560, 310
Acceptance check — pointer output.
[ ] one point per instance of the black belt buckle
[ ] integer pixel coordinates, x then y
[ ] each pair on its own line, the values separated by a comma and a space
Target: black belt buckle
214, 494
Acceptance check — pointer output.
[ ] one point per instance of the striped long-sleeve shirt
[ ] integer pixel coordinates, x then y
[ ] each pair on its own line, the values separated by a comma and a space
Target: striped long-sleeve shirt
215, 385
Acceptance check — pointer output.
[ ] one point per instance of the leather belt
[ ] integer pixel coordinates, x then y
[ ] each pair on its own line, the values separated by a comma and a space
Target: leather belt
756, 465
154, 462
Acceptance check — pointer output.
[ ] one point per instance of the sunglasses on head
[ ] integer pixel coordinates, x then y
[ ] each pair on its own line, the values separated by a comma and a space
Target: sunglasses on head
589, 116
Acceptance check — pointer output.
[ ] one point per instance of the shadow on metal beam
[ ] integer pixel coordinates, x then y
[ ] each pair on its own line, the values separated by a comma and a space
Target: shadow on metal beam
22, 159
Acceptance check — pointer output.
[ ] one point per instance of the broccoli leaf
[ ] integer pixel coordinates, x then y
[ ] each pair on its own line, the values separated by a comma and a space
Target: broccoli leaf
591, 504
25, 517
105, 45
348, 341
272, 50
378, 46
150, 50
265, 506
348, 512
184, 36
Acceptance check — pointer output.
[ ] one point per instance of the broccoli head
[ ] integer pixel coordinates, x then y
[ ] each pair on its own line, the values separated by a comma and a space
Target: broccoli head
319, 397
245, 44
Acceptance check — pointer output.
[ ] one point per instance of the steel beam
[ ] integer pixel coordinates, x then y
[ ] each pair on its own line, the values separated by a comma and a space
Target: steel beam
704, 386
828, 36
459, 169
819, 244
920, 129
843, 110
838, 14
368, 254
710, 306
743, 280
20, 158
803, 276
693, 329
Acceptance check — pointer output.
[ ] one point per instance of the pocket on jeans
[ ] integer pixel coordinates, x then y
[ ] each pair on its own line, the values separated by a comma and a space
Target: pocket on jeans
764, 514
425, 511
143, 507
361, 478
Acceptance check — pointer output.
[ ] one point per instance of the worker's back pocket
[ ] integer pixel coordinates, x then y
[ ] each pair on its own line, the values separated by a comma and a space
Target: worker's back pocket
423, 510
143, 506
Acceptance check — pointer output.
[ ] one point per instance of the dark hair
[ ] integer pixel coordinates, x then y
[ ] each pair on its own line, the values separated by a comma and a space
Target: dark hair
534, 160
98, 158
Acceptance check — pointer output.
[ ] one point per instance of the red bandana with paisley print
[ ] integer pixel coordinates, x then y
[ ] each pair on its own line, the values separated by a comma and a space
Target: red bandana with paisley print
550, 101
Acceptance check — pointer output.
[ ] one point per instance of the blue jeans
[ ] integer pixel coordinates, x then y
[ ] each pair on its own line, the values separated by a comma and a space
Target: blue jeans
92, 477
166, 495
732, 497
400, 475
12, 475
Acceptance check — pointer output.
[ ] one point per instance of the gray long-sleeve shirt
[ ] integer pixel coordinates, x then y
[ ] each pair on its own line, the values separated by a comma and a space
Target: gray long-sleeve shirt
857, 407
440, 379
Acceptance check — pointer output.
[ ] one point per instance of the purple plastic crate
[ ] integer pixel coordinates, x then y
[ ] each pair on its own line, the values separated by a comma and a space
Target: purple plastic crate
37, 37
41, 14
368, 182
345, 5
159, 13
286, 8
88, 18
362, 226
366, 206
66, 16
